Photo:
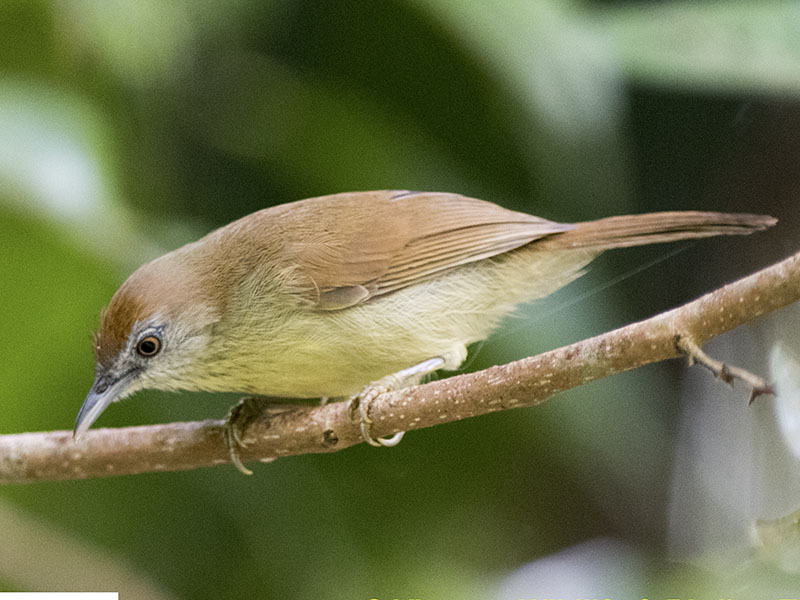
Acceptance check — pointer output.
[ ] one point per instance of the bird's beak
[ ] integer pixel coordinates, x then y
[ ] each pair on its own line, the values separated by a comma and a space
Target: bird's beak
105, 390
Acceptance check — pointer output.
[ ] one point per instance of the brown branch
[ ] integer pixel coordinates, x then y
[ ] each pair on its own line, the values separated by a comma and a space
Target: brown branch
52, 456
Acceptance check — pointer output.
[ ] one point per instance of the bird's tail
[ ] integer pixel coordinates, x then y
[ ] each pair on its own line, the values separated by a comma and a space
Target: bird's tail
651, 228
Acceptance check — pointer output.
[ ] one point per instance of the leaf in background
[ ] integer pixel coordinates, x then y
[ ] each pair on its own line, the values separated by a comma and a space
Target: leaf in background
51, 294
57, 162
148, 43
324, 136
564, 77
44, 557
733, 47
140, 42
778, 541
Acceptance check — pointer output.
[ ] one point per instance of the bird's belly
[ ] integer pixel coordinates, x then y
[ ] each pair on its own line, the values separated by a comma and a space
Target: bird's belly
312, 353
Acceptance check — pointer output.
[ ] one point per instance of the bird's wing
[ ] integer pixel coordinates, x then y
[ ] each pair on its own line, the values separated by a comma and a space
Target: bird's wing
356, 246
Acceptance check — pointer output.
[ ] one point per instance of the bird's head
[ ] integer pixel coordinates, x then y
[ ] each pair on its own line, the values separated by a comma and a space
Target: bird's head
152, 336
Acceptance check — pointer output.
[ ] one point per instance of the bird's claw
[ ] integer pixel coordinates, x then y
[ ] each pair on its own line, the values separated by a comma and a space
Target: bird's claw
233, 432
239, 417
359, 405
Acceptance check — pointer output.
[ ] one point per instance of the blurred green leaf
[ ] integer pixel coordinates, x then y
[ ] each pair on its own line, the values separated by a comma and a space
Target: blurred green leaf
147, 42
733, 46
57, 161
42, 557
330, 137
51, 294
564, 78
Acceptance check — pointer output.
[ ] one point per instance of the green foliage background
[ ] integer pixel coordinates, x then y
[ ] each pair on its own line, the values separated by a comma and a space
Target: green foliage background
129, 127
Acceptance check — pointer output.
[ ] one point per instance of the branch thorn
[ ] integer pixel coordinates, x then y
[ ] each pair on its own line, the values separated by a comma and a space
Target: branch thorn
727, 373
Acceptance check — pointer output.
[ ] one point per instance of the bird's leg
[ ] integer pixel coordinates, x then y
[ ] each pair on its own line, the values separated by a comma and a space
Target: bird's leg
240, 416
361, 402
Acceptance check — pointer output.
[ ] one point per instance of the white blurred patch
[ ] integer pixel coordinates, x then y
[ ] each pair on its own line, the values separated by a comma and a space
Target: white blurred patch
601, 568
45, 557
778, 540
785, 371
737, 475
46, 152
56, 163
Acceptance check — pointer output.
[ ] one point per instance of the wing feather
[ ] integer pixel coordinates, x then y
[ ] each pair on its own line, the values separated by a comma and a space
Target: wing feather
354, 246
427, 233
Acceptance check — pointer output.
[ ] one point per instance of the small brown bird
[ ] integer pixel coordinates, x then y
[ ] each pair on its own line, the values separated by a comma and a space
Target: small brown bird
320, 297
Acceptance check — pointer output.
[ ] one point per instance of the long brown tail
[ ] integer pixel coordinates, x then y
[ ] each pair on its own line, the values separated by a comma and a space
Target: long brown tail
652, 228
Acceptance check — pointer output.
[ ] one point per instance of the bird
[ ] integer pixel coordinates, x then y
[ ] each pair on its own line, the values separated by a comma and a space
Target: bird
334, 296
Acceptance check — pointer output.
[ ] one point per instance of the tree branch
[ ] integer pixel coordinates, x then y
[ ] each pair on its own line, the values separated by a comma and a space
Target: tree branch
54, 456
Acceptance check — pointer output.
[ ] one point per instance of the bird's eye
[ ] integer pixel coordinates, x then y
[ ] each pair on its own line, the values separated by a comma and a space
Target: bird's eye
148, 346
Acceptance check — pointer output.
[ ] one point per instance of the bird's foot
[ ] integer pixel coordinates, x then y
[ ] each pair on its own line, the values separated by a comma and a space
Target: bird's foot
239, 417
359, 404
